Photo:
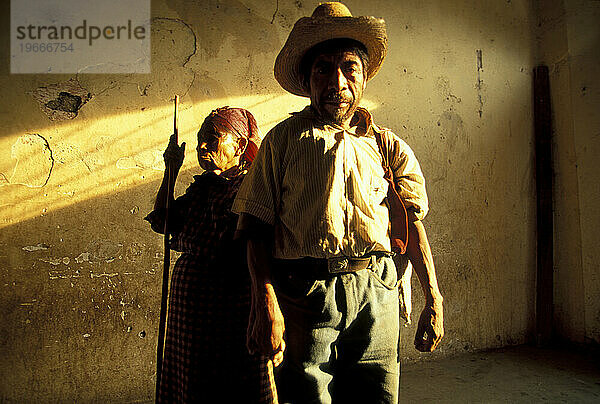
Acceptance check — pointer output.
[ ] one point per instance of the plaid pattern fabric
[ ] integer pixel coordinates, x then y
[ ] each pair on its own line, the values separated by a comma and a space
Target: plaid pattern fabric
201, 221
268, 392
209, 301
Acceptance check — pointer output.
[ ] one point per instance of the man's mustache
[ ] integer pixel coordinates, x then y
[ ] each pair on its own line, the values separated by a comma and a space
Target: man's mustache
336, 98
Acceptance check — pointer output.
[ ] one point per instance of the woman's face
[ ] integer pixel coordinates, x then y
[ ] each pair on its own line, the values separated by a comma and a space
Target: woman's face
219, 150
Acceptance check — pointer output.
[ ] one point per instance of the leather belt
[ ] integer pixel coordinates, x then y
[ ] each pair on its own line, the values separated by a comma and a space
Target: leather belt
323, 267
342, 265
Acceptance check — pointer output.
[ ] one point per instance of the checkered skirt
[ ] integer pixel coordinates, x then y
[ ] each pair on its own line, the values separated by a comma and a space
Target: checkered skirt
205, 353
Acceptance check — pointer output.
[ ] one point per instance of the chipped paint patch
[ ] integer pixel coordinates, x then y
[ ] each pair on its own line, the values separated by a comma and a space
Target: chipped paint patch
147, 159
62, 100
65, 102
444, 89
134, 252
83, 257
37, 247
34, 161
72, 155
103, 275
52, 261
104, 250
62, 275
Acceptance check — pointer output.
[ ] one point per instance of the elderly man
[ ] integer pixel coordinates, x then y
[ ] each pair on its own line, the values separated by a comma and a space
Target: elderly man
316, 212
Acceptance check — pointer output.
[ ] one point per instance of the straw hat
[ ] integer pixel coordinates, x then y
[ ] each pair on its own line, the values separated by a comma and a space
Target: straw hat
330, 20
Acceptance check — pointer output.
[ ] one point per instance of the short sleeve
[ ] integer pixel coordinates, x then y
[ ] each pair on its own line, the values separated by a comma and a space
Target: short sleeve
408, 177
259, 194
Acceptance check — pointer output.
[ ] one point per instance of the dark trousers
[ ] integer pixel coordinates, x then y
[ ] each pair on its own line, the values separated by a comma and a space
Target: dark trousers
342, 333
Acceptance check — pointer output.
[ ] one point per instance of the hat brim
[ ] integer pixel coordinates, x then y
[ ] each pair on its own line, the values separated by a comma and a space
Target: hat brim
308, 32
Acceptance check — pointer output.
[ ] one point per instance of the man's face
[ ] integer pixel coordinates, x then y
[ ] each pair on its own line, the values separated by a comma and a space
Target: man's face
337, 82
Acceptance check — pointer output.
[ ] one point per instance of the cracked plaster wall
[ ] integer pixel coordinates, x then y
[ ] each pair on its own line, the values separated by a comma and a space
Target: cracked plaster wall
80, 269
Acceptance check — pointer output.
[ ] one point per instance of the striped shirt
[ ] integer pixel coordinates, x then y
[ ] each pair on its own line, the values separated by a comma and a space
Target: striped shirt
322, 187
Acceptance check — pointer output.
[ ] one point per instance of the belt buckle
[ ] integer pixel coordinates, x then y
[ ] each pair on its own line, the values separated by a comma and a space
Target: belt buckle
337, 265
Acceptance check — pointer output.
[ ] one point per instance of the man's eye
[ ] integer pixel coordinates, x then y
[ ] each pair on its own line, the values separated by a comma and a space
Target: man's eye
351, 68
322, 68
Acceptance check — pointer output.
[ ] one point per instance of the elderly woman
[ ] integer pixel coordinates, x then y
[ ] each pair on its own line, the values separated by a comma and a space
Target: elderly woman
205, 351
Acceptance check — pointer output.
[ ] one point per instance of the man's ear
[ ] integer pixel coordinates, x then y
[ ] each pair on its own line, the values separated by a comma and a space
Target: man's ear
242, 143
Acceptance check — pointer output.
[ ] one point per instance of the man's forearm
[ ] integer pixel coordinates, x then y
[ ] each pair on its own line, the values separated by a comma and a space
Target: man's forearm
259, 263
266, 326
259, 246
430, 328
419, 253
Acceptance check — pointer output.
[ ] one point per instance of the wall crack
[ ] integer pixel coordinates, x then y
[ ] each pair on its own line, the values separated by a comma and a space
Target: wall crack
35, 161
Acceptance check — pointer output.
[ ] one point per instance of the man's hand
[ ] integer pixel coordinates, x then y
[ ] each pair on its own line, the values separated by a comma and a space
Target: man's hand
430, 329
266, 325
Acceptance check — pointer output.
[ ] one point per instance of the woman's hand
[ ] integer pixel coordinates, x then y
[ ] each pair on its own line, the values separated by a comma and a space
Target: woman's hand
174, 155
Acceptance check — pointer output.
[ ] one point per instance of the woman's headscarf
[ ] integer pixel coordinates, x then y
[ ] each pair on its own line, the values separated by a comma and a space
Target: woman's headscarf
239, 122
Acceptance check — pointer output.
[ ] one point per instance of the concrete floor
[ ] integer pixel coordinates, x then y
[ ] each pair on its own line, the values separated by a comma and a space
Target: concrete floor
520, 374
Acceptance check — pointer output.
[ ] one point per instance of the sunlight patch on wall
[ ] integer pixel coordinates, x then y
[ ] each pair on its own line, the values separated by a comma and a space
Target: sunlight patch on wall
53, 167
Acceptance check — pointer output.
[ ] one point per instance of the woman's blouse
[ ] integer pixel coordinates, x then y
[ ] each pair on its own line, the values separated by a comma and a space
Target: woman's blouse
200, 221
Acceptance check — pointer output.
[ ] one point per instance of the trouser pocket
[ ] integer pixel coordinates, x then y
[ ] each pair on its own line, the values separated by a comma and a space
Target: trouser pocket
383, 271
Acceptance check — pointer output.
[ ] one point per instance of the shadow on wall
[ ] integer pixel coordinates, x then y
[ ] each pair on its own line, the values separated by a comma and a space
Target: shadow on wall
81, 300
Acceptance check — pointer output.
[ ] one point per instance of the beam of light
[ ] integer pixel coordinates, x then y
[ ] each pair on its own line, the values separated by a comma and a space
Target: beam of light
49, 168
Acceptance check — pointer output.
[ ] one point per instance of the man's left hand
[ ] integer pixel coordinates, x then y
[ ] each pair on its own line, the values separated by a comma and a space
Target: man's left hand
430, 329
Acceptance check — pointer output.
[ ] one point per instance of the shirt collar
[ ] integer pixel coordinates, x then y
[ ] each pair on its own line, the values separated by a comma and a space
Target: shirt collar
363, 127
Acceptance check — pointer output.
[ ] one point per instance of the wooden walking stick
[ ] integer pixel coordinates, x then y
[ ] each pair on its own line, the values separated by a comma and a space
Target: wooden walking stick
166, 264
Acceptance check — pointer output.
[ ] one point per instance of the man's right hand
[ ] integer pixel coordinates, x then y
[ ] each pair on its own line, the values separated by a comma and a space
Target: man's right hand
266, 325
174, 155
